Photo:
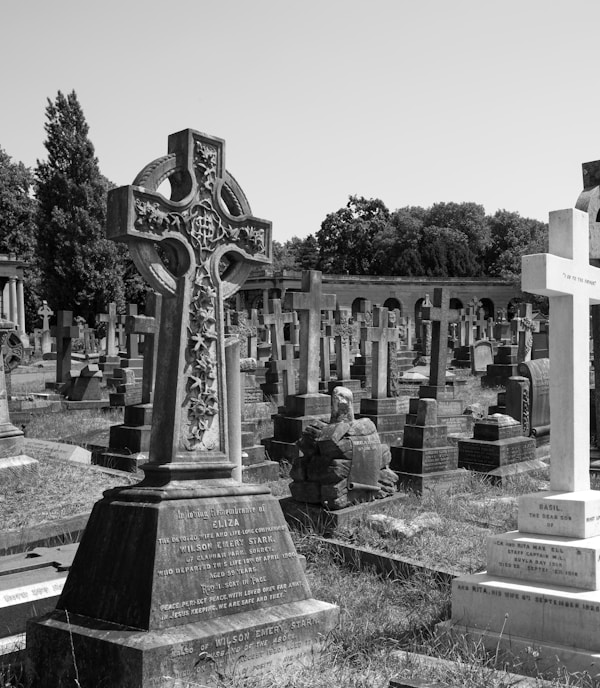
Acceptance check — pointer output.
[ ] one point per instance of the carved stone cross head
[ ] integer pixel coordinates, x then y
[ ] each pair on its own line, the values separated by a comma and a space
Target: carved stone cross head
196, 249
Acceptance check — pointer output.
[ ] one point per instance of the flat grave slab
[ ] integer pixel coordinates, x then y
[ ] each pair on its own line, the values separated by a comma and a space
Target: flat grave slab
45, 449
301, 514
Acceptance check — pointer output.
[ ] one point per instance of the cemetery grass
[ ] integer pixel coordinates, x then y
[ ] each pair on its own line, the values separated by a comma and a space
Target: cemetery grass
61, 488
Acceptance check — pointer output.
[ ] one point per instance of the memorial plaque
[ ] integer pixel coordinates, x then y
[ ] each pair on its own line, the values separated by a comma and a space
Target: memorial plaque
496, 453
426, 460
545, 560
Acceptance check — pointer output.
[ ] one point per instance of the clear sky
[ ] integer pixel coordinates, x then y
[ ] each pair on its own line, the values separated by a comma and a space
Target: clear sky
410, 101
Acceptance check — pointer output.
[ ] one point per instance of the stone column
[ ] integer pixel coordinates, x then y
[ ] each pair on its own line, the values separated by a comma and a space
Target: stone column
12, 296
234, 403
20, 307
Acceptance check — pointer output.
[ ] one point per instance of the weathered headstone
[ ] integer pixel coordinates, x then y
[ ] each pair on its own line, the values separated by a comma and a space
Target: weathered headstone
343, 462
498, 448
388, 413
129, 441
140, 615
46, 312
302, 408
450, 406
64, 332
482, 356
542, 585
85, 384
426, 458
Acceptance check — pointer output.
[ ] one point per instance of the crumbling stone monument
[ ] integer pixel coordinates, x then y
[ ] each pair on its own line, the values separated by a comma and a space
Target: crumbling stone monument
343, 462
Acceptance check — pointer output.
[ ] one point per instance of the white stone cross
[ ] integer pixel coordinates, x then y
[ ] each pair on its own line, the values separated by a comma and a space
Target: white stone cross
572, 284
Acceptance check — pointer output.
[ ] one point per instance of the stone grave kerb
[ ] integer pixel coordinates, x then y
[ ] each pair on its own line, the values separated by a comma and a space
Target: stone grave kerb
441, 315
380, 335
566, 277
149, 326
64, 331
110, 319
308, 303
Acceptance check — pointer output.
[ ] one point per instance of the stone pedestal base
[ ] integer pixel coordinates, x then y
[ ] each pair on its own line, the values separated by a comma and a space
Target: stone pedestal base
184, 581
555, 621
193, 654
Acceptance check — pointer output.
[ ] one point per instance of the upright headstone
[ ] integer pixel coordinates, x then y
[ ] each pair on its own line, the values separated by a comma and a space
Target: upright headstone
542, 585
110, 359
450, 406
46, 312
141, 615
129, 441
387, 412
280, 373
302, 408
523, 327
64, 332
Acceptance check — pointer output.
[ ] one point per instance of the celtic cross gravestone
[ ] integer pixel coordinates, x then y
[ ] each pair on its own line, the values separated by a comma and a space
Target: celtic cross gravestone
183, 565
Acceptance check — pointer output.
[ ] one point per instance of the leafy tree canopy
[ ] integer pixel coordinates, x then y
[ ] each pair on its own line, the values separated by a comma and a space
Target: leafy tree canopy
82, 270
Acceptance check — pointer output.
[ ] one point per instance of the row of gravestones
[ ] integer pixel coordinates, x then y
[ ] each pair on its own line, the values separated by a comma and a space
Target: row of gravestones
132, 615
84, 338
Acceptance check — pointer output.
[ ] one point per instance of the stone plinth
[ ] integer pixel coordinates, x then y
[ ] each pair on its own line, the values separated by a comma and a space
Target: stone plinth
504, 366
299, 412
85, 384
218, 576
388, 415
426, 458
497, 444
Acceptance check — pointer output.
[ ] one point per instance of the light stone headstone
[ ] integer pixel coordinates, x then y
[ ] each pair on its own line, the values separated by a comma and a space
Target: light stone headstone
542, 585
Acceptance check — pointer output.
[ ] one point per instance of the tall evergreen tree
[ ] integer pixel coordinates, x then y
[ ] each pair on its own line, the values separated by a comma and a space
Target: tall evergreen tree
81, 269
17, 229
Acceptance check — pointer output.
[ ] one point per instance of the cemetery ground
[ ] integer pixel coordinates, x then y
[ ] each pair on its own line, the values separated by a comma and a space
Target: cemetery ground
387, 619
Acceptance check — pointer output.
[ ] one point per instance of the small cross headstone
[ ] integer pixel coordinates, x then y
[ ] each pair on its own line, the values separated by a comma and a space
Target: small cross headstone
149, 326
441, 315
342, 334
308, 303
275, 319
46, 312
379, 334
110, 319
64, 332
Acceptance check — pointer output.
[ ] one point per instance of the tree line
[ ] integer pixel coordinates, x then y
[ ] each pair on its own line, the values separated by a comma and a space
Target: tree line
445, 240
53, 217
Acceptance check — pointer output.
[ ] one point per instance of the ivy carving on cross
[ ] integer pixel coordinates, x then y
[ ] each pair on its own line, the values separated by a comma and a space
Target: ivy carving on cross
209, 242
